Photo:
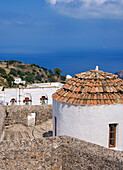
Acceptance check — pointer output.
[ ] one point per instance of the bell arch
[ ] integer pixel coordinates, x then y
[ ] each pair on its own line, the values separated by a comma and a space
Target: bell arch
27, 99
44, 99
13, 100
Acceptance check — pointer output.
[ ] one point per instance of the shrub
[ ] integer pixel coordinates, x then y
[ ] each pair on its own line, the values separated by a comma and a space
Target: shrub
50, 71
27, 73
10, 80
45, 69
13, 72
2, 71
20, 73
42, 75
35, 65
13, 61
30, 78
38, 77
21, 66
52, 79
34, 70
63, 78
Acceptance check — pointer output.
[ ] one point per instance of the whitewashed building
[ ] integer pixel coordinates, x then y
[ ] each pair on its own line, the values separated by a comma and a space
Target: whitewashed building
90, 107
68, 77
18, 81
35, 94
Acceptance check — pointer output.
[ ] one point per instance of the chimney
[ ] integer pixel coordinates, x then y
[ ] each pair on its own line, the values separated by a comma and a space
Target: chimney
97, 68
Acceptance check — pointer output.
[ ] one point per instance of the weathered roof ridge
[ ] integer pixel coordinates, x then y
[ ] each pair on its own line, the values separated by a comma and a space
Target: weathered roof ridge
96, 74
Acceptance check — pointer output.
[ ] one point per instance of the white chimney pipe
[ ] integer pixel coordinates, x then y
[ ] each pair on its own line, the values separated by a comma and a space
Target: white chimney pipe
97, 68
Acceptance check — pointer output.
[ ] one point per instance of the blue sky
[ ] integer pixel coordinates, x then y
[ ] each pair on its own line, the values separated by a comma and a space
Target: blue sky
59, 27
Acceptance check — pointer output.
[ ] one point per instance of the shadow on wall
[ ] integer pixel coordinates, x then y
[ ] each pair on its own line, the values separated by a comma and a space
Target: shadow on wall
48, 134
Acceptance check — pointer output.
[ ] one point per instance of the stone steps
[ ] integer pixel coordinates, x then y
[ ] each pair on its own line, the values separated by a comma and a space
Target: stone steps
6, 136
25, 135
17, 135
20, 131
12, 135
36, 133
38, 128
30, 133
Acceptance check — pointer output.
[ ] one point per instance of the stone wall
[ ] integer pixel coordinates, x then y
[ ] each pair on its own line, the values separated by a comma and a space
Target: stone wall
18, 114
81, 155
56, 154
2, 121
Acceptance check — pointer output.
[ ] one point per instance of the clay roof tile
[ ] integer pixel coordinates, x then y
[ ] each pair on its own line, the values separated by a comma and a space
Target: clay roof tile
92, 88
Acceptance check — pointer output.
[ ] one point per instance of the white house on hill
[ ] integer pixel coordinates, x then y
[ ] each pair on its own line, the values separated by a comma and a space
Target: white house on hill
18, 81
90, 107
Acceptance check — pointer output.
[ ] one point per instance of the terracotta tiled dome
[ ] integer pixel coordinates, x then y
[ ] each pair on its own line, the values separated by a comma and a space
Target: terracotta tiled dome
92, 88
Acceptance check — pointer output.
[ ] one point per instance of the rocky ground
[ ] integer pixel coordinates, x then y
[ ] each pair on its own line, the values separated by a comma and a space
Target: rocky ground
19, 131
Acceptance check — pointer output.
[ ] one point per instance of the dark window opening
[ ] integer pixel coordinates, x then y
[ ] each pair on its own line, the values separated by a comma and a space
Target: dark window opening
112, 135
55, 126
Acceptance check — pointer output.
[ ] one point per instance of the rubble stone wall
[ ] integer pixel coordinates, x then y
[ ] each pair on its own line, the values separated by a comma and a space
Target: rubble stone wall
18, 114
2, 121
58, 153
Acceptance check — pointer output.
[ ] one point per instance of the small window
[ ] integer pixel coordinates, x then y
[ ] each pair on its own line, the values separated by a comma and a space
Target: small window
55, 126
112, 135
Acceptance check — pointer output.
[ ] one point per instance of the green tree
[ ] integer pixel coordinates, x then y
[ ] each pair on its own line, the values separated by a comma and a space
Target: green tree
63, 78
57, 71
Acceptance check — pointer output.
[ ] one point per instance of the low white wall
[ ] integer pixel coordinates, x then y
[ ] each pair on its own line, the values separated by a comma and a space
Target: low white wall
89, 123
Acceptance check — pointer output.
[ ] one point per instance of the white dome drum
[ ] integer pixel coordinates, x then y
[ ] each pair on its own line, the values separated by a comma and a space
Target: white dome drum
90, 107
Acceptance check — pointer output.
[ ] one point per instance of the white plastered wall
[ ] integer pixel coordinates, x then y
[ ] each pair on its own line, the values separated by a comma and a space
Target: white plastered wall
89, 123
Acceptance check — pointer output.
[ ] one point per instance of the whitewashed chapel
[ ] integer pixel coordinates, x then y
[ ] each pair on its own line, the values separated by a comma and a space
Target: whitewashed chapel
35, 94
90, 107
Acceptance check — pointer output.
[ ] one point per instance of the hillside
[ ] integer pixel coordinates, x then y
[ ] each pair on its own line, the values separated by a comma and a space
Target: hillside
120, 74
31, 73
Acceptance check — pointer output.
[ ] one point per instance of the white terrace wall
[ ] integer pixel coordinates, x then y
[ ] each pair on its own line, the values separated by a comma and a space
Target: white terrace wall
89, 123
